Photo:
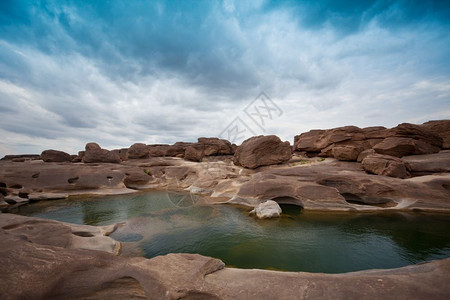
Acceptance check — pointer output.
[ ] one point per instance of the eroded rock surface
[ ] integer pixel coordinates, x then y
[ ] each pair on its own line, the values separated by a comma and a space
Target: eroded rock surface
262, 150
39, 261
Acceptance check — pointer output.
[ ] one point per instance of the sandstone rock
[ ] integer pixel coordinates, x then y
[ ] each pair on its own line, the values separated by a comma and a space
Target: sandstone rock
158, 150
364, 154
430, 163
136, 180
385, 165
32, 250
401, 146
55, 156
138, 150
95, 154
267, 210
262, 151
22, 156
441, 128
123, 153
79, 157
347, 152
177, 149
194, 153
416, 132
215, 146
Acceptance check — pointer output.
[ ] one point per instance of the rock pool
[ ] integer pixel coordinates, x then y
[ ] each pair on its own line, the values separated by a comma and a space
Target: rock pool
158, 223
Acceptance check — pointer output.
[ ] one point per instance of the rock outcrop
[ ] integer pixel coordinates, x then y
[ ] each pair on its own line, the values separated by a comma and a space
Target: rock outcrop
55, 156
95, 154
442, 129
194, 153
430, 163
386, 165
138, 150
262, 150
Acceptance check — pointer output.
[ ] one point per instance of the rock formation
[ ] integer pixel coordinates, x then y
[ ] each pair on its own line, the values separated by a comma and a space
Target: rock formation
55, 156
347, 143
386, 165
138, 150
95, 154
262, 150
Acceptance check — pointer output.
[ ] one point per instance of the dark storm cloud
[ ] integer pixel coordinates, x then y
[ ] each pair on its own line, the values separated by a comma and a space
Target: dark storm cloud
119, 72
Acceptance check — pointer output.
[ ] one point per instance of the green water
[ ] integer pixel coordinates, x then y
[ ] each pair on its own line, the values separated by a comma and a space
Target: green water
160, 223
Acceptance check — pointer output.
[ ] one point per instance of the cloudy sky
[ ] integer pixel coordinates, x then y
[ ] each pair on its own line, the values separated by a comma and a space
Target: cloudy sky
119, 72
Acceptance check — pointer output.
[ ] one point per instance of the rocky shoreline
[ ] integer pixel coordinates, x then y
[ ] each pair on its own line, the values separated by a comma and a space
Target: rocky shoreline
404, 168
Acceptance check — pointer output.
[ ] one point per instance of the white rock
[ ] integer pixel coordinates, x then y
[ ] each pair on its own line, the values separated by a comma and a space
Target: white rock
267, 210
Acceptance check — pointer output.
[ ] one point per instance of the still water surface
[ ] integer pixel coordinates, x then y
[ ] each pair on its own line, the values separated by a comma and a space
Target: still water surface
160, 223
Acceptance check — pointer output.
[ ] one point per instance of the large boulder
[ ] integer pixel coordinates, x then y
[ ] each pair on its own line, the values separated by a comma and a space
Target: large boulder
138, 150
177, 149
215, 146
158, 150
55, 156
194, 153
94, 154
385, 165
267, 210
316, 140
262, 150
402, 146
346, 152
442, 129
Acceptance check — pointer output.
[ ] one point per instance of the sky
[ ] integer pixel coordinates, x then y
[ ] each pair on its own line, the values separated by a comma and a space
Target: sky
120, 72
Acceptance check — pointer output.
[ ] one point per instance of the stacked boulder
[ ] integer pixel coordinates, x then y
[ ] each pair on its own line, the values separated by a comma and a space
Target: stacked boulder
377, 148
189, 151
208, 147
95, 154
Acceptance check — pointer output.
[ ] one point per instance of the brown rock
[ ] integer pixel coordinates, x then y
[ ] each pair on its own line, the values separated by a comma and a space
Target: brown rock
136, 180
346, 152
400, 146
79, 157
441, 128
55, 156
364, 154
158, 150
262, 151
416, 132
430, 163
215, 146
385, 165
308, 141
194, 153
177, 149
95, 154
138, 150
22, 156
123, 153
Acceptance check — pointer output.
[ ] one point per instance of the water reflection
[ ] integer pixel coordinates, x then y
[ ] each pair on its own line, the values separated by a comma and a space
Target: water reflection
298, 241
